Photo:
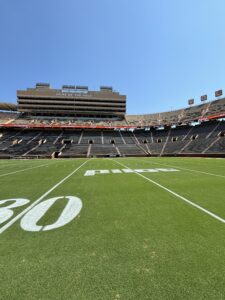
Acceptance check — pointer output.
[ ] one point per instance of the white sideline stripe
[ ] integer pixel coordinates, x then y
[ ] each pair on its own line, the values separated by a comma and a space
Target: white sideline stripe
6, 174
197, 171
6, 226
177, 195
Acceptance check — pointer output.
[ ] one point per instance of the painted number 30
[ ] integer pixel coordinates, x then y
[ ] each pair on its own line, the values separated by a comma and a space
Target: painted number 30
29, 221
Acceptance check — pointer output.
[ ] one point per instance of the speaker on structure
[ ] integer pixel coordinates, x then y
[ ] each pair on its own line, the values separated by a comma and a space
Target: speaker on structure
191, 101
218, 93
204, 98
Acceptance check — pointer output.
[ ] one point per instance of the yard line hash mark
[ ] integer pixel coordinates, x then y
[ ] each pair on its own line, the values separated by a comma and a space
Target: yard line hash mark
176, 195
17, 217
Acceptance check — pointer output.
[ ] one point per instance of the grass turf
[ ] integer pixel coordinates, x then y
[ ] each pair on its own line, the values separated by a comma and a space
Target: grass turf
131, 240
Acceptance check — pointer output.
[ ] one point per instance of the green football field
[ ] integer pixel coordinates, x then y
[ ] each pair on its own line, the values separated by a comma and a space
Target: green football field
123, 228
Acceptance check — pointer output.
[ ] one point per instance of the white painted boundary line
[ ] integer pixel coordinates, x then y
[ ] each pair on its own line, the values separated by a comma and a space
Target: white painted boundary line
11, 222
177, 195
185, 169
5, 166
14, 172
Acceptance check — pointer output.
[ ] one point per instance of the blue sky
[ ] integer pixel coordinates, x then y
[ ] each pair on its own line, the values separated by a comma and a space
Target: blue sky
160, 53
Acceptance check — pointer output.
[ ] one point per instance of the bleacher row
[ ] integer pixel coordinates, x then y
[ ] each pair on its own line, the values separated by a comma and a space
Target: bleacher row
206, 138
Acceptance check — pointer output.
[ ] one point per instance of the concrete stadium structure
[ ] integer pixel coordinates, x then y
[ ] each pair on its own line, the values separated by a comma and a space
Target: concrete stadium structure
76, 122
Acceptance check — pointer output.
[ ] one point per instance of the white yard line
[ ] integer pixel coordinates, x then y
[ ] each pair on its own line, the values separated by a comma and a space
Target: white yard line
6, 165
185, 169
14, 172
175, 194
11, 222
